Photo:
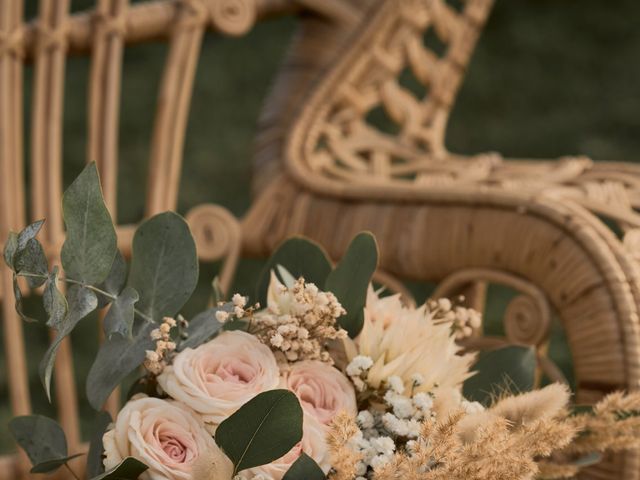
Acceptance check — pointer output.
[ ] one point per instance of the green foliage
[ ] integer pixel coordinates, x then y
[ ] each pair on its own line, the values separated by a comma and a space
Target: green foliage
32, 260
91, 244
262, 430
587, 460
163, 276
117, 358
129, 469
302, 258
350, 280
164, 268
304, 468
202, 327
18, 301
506, 369
94, 457
115, 281
43, 441
121, 314
55, 303
10, 249
24, 255
17, 242
81, 302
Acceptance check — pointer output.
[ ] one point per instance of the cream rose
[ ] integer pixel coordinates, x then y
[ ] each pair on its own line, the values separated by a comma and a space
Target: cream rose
323, 390
166, 436
220, 376
313, 443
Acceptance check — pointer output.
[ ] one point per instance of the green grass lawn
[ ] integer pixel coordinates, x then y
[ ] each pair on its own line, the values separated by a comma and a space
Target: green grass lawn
549, 78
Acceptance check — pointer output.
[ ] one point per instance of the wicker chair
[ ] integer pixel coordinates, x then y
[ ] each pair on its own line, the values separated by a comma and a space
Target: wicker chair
327, 173
462, 221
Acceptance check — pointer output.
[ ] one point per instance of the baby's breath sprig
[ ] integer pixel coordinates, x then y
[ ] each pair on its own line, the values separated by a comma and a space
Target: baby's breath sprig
464, 321
156, 360
300, 323
239, 311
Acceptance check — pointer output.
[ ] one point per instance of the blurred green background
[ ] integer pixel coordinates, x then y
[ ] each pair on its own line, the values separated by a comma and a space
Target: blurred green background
549, 78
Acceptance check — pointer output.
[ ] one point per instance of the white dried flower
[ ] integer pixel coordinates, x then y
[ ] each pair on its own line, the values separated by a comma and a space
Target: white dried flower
423, 401
238, 300
417, 379
365, 419
395, 384
359, 365
444, 304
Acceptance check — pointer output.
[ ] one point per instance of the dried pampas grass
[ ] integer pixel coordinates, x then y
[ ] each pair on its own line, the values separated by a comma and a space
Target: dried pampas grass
523, 437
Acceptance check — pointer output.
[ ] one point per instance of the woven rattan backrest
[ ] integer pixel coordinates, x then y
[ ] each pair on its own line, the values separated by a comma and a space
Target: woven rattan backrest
380, 116
103, 33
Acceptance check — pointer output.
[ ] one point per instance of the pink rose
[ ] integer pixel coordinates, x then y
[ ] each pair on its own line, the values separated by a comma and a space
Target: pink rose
323, 390
313, 443
165, 435
220, 376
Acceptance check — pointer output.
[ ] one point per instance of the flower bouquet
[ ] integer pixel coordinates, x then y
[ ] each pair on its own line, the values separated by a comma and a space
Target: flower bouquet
317, 375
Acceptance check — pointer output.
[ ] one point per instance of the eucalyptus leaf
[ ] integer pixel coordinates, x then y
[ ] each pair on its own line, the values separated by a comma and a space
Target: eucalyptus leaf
10, 249
203, 326
304, 468
119, 318
164, 269
117, 358
82, 302
17, 293
350, 280
16, 242
29, 232
301, 258
587, 460
94, 458
115, 281
262, 430
236, 324
32, 260
91, 243
129, 469
51, 465
43, 441
54, 302
509, 369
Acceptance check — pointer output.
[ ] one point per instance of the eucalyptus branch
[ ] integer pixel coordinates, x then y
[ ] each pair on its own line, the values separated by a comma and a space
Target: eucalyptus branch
71, 471
110, 296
